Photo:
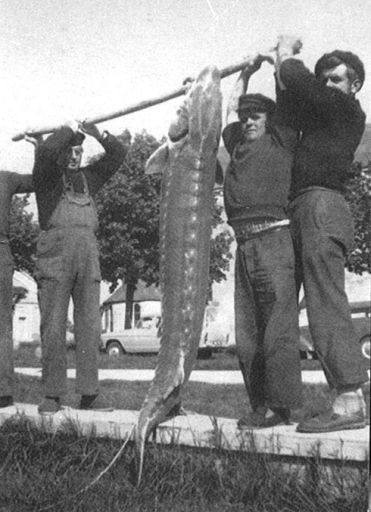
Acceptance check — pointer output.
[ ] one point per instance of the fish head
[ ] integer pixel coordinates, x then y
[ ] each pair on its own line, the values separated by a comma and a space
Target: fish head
205, 111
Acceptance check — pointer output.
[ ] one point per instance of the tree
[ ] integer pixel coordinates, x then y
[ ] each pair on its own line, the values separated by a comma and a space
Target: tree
220, 254
358, 196
23, 234
128, 207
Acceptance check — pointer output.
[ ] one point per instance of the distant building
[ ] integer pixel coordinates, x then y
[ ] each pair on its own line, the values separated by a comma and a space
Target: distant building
26, 315
147, 302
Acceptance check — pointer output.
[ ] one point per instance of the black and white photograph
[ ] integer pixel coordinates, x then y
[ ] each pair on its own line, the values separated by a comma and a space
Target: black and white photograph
185, 255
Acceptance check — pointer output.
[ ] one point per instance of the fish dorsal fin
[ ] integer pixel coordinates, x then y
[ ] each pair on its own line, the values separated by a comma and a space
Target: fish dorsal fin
157, 162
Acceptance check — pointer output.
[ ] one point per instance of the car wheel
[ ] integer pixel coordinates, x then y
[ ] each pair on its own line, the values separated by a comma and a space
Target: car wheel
114, 349
365, 347
38, 353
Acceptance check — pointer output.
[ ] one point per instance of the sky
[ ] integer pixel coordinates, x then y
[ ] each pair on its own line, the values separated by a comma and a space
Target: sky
64, 60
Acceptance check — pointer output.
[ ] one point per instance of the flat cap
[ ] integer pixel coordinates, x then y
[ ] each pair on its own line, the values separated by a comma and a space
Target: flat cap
77, 138
257, 102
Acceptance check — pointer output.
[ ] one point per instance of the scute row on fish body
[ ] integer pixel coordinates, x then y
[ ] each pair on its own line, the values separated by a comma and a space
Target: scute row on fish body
185, 230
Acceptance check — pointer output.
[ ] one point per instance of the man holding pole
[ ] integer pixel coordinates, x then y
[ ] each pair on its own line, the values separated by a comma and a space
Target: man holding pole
256, 191
331, 123
10, 183
67, 259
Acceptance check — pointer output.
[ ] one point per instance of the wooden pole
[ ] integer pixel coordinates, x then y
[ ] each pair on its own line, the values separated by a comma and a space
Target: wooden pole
136, 107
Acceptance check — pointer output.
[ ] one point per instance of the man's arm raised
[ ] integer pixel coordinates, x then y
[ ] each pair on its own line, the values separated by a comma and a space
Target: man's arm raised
240, 87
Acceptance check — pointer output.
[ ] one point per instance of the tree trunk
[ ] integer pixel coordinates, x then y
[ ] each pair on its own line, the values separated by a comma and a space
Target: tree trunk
130, 289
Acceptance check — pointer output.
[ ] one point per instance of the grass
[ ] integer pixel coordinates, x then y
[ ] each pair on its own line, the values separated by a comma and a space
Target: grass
227, 360
40, 472
228, 401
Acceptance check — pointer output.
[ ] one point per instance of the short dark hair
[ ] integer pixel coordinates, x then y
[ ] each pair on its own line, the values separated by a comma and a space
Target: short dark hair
354, 65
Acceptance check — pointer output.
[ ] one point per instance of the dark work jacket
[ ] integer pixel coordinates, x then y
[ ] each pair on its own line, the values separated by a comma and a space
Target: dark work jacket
331, 125
11, 183
48, 174
258, 177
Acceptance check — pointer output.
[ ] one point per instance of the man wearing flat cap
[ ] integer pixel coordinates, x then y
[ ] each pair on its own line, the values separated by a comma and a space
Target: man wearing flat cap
256, 191
331, 123
67, 263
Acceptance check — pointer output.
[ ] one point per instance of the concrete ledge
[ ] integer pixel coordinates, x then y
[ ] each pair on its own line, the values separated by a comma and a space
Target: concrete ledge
351, 446
205, 376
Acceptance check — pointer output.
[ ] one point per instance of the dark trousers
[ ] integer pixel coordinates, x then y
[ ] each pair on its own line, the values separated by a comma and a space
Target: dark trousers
6, 339
68, 266
322, 230
266, 319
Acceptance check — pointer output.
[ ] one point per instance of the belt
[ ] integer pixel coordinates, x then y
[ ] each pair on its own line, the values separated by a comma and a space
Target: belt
314, 188
251, 229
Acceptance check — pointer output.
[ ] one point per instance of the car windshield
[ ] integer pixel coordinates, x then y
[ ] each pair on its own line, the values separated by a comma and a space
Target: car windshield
147, 323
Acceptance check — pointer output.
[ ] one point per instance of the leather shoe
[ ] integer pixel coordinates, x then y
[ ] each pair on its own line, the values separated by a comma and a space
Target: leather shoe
178, 410
329, 421
50, 405
95, 403
271, 418
6, 401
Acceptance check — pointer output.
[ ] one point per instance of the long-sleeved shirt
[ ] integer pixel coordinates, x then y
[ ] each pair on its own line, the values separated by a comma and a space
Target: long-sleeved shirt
331, 124
11, 183
258, 177
48, 171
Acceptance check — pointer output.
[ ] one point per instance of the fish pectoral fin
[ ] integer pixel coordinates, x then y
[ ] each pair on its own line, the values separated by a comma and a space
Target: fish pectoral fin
157, 162
174, 392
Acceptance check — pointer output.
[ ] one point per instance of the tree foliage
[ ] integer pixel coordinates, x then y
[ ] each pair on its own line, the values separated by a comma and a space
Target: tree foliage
358, 196
128, 207
23, 234
220, 254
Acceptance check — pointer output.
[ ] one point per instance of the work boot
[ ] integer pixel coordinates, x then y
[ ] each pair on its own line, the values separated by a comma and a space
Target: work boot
50, 405
265, 418
178, 410
6, 401
95, 403
330, 421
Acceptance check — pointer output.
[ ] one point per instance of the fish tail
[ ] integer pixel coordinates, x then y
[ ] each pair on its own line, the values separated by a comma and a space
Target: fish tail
140, 437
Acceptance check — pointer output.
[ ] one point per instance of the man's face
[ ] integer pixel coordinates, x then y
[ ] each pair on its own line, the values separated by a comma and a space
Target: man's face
254, 124
338, 78
74, 158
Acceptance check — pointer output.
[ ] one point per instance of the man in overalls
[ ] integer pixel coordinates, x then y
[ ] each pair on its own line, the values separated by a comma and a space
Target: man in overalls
68, 261
10, 183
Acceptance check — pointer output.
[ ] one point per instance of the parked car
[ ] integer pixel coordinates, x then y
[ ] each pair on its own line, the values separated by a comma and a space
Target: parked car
145, 338
361, 318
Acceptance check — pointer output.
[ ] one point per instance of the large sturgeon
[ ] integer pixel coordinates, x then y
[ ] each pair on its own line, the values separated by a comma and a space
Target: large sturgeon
186, 209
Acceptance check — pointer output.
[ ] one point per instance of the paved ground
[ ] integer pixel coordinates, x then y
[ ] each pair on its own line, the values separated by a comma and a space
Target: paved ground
203, 431
206, 376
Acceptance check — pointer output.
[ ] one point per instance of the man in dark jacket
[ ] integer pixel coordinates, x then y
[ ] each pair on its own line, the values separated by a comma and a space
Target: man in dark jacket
257, 182
10, 183
331, 123
68, 261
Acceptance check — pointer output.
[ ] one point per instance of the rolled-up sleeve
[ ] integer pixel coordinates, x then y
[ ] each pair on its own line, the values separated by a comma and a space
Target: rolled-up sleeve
100, 171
